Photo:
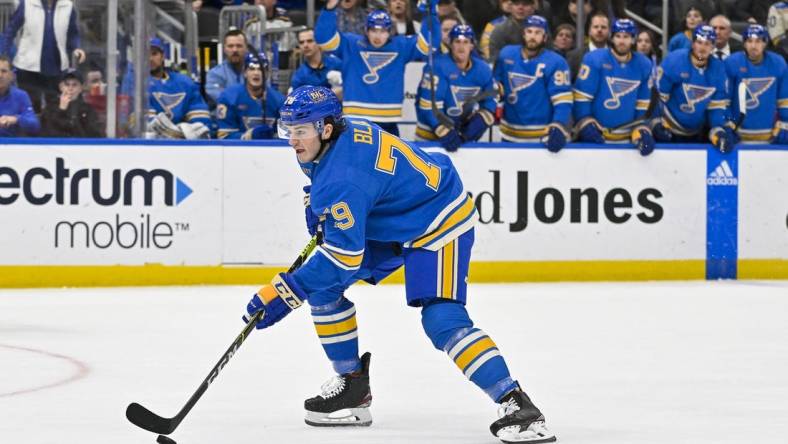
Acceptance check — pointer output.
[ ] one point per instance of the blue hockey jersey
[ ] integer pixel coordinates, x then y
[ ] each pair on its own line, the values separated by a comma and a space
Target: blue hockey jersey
453, 87
371, 185
306, 75
238, 113
694, 98
178, 97
536, 92
612, 92
767, 94
373, 79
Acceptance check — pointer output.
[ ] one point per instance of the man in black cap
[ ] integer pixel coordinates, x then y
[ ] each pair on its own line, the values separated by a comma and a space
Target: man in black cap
70, 116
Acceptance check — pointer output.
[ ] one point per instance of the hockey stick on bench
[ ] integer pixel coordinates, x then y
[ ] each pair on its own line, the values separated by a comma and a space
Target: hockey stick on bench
145, 419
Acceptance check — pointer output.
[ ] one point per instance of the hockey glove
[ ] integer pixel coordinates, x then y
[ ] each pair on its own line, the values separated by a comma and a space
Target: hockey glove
422, 6
313, 221
555, 139
259, 132
448, 138
276, 300
590, 132
661, 133
782, 134
475, 127
723, 138
643, 140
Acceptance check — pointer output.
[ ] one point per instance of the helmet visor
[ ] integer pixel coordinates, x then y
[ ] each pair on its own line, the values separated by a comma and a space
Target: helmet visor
298, 131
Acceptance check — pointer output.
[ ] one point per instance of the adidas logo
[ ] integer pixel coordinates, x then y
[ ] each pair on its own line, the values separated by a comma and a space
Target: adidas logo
722, 175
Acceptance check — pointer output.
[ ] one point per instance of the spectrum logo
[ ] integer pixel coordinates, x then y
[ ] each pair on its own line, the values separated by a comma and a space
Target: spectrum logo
40, 186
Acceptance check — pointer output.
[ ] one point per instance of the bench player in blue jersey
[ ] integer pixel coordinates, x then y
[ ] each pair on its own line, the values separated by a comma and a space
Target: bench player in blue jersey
464, 91
385, 204
249, 110
694, 96
765, 76
612, 92
373, 65
537, 89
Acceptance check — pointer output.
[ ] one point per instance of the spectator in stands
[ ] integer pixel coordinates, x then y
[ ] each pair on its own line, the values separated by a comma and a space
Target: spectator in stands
646, 44
692, 18
510, 31
564, 40
751, 11
725, 46
48, 38
568, 14
448, 22
373, 68
70, 115
17, 117
352, 16
402, 17
250, 111
449, 7
317, 69
778, 27
176, 108
285, 42
598, 35
537, 89
94, 92
231, 71
484, 42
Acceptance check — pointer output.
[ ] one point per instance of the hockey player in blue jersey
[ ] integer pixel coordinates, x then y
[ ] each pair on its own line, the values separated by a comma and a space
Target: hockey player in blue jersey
175, 107
693, 91
464, 91
612, 92
249, 110
373, 70
537, 89
385, 204
766, 79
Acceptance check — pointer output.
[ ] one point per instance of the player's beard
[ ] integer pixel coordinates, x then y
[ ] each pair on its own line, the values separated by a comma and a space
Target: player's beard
534, 47
157, 72
621, 54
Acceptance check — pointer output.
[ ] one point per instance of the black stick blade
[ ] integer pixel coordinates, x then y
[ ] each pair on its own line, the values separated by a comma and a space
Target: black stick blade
145, 419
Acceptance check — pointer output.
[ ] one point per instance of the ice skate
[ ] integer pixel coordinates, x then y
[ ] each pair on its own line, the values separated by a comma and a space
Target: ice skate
520, 420
344, 401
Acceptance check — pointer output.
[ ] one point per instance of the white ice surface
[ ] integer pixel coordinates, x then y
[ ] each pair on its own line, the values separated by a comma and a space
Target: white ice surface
620, 363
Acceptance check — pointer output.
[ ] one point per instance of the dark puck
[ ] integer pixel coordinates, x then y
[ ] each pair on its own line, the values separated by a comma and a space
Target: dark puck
164, 440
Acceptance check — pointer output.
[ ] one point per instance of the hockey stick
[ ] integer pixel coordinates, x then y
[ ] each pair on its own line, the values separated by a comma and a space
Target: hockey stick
742, 96
443, 119
145, 419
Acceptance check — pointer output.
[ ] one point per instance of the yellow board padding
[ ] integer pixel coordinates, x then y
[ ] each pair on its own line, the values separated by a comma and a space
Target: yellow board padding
480, 272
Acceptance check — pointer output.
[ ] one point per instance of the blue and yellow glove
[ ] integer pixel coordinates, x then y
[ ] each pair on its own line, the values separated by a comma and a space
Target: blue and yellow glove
781, 133
590, 131
475, 127
723, 138
643, 140
276, 300
448, 138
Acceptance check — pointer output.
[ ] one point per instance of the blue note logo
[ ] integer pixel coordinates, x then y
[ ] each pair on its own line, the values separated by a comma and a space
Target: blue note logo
695, 94
517, 83
619, 88
376, 61
169, 102
461, 95
722, 175
755, 87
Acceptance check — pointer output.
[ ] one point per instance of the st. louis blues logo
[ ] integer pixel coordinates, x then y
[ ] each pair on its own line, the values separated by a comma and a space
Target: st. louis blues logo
619, 88
755, 87
517, 83
461, 95
695, 94
169, 102
376, 61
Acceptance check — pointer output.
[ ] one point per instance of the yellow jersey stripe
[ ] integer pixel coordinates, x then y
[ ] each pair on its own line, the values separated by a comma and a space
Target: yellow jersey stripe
423, 46
523, 134
476, 349
756, 137
336, 328
372, 111
332, 44
425, 134
466, 210
782, 103
348, 260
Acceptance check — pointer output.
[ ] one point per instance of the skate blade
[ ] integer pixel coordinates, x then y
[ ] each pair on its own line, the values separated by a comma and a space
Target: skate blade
356, 417
535, 434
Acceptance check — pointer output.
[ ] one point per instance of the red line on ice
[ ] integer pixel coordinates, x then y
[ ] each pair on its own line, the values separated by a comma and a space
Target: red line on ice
81, 370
